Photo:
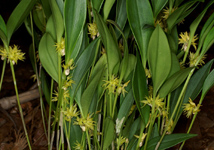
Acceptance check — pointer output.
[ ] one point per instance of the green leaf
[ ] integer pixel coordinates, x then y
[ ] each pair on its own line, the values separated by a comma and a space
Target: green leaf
109, 44
208, 83
159, 58
48, 55
134, 128
168, 141
140, 16
140, 91
107, 8
18, 16
83, 64
39, 19
58, 20
96, 4
77, 47
46, 7
75, 17
3, 31
175, 66
50, 28
109, 132
158, 6
88, 94
173, 82
131, 65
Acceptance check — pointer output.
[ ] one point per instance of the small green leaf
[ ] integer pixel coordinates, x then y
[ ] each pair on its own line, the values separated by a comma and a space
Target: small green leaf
110, 45
50, 28
48, 55
109, 132
75, 17
140, 90
140, 14
159, 58
107, 8
18, 16
173, 82
168, 141
3, 31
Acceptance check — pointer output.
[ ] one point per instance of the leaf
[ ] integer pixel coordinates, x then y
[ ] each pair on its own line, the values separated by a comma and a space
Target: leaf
96, 4
158, 6
107, 8
83, 64
3, 31
46, 7
175, 66
159, 58
48, 55
168, 141
57, 19
173, 82
77, 47
88, 94
134, 128
18, 16
50, 28
140, 91
208, 83
140, 14
109, 44
39, 19
75, 17
108, 132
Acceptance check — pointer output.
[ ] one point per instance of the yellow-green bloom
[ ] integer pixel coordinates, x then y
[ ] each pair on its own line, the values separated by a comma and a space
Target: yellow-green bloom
167, 12
69, 66
3, 53
121, 88
191, 108
93, 31
148, 74
68, 83
70, 113
158, 102
193, 59
55, 97
60, 47
112, 84
15, 54
78, 146
121, 140
184, 40
85, 123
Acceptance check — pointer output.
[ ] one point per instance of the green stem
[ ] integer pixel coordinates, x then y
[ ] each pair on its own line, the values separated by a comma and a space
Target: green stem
88, 139
2, 74
19, 105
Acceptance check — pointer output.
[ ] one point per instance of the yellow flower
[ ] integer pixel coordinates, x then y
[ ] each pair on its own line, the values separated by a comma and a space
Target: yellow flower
68, 83
69, 66
33, 77
193, 60
3, 53
92, 28
132, 109
191, 108
158, 102
85, 123
121, 140
148, 74
167, 13
60, 47
169, 128
112, 84
55, 98
78, 146
70, 113
121, 88
184, 40
15, 54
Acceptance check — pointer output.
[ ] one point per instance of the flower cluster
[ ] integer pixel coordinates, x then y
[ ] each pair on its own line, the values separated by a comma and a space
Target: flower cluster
121, 140
68, 67
114, 86
68, 83
85, 123
70, 113
184, 40
191, 108
93, 31
60, 47
194, 60
159, 104
14, 54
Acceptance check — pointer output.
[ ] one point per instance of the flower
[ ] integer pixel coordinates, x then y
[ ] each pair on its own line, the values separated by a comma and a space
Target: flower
148, 74
121, 140
14, 54
121, 88
85, 123
68, 83
70, 113
167, 12
55, 98
193, 60
112, 84
191, 108
78, 146
69, 66
185, 40
60, 47
158, 102
3, 53
92, 28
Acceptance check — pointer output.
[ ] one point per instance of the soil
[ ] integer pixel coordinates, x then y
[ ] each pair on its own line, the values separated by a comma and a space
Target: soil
12, 136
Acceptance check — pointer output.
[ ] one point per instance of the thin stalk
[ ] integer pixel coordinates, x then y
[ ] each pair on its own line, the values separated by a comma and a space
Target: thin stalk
2, 73
19, 105
88, 139
37, 76
49, 119
104, 116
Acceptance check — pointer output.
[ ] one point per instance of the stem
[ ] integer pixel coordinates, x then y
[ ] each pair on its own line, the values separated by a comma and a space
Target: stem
19, 105
2, 74
88, 138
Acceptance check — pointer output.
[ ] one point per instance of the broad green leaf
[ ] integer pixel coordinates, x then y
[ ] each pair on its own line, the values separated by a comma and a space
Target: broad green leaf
39, 18
109, 44
60, 4
109, 132
208, 83
48, 55
159, 58
46, 7
107, 8
131, 65
88, 94
77, 47
134, 128
121, 15
173, 82
75, 17
158, 6
140, 90
126, 130
18, 16
175, 66
3, 31
57, 19
126, 105
140, 17
96, 4
196, 82
168, 141
50, 28
83, 64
